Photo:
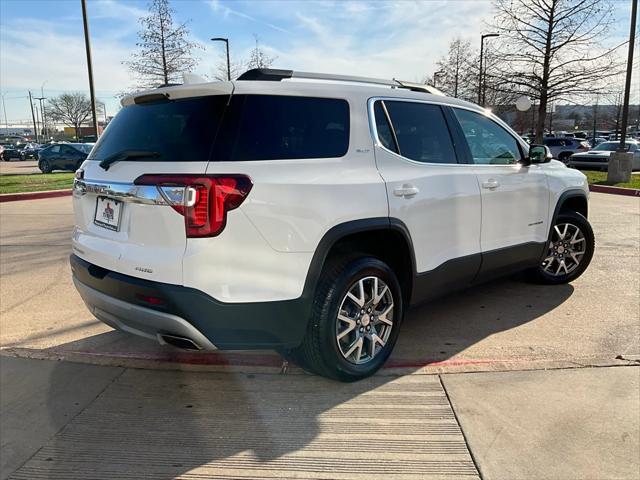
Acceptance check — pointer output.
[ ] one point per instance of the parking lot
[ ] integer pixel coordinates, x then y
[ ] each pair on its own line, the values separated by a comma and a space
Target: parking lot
426, 415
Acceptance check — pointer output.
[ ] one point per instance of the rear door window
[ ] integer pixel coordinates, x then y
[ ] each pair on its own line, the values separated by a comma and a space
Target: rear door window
421, 131
276, 127
179, 130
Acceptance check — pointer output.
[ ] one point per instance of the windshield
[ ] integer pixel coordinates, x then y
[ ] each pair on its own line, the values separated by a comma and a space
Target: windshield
179, 130
613, 146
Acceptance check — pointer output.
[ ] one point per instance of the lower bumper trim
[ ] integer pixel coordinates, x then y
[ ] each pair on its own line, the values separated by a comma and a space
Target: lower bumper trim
139, 320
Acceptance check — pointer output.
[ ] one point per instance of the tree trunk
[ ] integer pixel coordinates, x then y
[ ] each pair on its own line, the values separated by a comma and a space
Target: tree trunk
77, 129
164, 55
544, 84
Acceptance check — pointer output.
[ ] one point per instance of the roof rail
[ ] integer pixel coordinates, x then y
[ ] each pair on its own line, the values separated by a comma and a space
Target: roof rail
274, 75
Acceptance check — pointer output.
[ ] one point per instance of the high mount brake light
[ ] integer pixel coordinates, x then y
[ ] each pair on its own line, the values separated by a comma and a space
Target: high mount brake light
203, 200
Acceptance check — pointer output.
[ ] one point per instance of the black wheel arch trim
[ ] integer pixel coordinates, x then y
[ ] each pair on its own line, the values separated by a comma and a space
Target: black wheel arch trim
342, 230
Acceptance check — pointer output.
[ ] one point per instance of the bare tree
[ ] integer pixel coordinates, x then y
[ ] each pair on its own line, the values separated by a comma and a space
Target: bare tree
551, 48
220, 73
164, 50
458, 70
72, 109
258, 58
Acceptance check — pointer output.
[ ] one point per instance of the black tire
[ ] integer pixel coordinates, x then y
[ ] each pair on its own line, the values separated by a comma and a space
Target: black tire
564, 157
319, 351
44, 166
573, 218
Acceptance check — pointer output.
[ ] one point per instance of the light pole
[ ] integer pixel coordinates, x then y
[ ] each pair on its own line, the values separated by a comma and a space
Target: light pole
87, 45
480, 74
226, 41
435, 77
627, 86
4, 108
42, 107
43, 128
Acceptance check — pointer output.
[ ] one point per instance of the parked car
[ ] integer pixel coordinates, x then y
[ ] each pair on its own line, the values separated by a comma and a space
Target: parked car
67, 156
30, 150
10, 152
596, 141
598, 158
563, 147
320, 212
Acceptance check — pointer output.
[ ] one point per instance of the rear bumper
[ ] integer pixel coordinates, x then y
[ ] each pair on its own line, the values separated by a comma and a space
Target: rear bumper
153, 309
141, 321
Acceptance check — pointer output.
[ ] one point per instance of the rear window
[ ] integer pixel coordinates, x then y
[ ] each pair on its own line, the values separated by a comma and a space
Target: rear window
249, 127
276, 127
179, 130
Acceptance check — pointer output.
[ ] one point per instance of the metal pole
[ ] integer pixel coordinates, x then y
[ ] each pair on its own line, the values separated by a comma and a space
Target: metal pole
228, 61
4, 108
87, 45
627, 85
33, 116
226, 41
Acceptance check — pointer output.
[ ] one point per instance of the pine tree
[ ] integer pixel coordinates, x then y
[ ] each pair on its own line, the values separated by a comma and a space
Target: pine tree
164, 50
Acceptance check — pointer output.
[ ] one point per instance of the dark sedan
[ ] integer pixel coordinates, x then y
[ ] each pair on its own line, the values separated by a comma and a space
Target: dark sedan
11, 153
63, 156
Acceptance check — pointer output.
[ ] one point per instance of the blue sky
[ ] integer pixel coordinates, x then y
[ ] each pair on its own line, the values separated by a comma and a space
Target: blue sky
42, 41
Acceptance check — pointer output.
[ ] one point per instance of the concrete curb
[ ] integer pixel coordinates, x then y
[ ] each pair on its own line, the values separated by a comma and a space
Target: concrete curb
631, 192
239, 362
14, 197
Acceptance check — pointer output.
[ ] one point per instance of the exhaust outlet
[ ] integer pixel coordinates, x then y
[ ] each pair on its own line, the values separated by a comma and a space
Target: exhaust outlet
183, 343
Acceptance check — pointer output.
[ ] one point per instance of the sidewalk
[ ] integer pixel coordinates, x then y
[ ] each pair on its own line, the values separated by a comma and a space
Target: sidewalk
63, 420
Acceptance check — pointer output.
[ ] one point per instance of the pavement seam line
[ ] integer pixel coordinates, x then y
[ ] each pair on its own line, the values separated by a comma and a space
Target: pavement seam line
464, 436
98, 395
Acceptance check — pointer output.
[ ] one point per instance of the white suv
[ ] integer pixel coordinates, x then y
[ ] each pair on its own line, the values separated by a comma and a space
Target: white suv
305, 213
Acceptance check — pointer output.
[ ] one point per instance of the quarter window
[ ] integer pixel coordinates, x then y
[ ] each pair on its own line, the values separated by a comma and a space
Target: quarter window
382, 126
490, 144
273, 127
421, 131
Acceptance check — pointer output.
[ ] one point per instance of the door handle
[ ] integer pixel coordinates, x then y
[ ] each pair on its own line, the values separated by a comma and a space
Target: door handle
491, 184
406, 191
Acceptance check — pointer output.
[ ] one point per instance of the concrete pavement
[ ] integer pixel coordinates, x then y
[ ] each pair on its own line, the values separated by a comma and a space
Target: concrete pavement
501, 325
560, 424
19, 168
108, 423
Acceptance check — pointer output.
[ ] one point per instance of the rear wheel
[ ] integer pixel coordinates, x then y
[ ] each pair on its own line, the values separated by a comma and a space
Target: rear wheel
355, 322
44, 166
569, 251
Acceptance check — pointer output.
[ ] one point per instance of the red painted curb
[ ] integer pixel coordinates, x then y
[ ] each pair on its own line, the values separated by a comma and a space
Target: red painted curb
14, 197
630, 192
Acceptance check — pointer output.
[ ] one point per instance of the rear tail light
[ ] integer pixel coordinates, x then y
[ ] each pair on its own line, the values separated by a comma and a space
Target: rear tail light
203, 200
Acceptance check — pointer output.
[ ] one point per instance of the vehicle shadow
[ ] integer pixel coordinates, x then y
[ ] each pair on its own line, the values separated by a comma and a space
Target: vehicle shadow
164, 424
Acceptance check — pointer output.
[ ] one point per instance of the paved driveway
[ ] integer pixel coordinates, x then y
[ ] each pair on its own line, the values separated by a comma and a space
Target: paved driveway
501, 325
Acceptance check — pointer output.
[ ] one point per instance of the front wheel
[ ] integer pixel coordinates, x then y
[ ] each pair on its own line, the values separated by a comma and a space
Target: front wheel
356, 317
569, 250
44, 166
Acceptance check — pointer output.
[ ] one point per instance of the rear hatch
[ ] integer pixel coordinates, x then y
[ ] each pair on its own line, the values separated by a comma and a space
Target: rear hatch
124, 221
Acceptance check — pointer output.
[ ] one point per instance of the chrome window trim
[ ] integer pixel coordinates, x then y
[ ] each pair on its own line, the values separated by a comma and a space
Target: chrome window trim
378, 144
126, 192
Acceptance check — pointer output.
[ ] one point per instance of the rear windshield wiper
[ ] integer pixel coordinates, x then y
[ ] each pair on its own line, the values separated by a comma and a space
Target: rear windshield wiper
125, 155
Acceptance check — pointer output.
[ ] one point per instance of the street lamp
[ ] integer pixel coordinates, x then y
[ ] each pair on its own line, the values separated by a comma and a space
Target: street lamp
226, 41
435, 77
480, 74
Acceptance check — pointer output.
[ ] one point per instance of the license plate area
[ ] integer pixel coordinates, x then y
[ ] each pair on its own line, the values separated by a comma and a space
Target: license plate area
108, 213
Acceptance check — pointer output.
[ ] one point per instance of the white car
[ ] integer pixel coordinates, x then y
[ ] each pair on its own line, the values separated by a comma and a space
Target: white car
306, 213
598, 158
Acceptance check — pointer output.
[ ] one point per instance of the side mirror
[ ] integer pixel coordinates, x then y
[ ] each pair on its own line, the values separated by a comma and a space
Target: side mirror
539, 154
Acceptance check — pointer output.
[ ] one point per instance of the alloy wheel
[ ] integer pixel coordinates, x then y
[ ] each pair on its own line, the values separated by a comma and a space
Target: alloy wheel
365, 320
566, 250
